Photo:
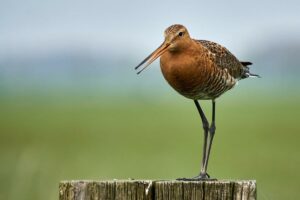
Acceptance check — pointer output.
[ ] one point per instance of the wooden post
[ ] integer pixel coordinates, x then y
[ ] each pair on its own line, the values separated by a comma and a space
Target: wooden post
158, 190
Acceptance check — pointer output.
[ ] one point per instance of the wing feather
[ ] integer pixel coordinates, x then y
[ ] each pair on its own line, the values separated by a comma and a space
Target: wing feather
224, 59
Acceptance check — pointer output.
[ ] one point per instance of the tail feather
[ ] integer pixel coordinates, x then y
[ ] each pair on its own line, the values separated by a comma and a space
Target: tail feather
254, 75
246, 70
246, 63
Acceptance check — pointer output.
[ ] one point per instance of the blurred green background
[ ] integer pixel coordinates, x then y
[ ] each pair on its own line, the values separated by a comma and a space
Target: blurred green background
72, 107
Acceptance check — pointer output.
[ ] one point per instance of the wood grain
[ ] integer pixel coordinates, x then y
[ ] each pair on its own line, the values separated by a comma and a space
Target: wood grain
158, 190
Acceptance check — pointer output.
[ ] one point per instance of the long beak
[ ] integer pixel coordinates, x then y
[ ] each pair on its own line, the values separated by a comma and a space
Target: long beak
153, 56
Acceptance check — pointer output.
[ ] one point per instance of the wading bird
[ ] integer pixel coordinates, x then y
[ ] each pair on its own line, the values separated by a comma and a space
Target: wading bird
198, 70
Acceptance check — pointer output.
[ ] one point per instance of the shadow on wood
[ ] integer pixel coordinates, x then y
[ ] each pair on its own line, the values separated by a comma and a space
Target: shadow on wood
159, 190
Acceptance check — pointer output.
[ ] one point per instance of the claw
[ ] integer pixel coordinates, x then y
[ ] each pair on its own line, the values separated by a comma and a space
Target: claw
200, 177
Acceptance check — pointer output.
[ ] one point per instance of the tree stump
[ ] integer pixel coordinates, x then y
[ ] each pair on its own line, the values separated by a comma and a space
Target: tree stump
157, 189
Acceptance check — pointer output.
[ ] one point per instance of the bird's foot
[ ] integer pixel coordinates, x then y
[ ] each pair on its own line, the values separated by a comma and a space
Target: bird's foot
200, 177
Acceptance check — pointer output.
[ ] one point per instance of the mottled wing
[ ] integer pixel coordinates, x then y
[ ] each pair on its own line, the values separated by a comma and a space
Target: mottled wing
224, 59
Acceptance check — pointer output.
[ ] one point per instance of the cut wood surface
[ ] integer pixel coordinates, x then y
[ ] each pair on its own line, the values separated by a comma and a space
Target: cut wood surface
157, 189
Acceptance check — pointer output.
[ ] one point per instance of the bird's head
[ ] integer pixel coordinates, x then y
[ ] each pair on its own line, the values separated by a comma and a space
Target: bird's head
176, 38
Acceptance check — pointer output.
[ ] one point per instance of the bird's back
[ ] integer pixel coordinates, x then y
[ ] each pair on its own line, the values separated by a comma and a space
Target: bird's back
224, 59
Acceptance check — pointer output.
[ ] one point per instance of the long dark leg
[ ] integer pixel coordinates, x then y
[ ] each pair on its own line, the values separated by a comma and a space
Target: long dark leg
212, 130
206, 143
206, 129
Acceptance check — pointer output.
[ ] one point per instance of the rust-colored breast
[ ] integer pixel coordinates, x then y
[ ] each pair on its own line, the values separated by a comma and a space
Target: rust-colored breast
194, 74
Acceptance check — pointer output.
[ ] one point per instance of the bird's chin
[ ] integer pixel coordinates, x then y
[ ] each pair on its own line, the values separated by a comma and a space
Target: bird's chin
172, 48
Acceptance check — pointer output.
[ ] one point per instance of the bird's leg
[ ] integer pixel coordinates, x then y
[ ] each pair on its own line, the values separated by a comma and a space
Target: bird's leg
205, 125
212, 130
206, 144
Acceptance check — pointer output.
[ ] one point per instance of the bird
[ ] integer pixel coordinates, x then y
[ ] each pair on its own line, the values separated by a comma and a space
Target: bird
198, 70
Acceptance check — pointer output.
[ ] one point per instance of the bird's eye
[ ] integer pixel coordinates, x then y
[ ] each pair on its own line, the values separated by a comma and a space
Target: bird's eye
180, 34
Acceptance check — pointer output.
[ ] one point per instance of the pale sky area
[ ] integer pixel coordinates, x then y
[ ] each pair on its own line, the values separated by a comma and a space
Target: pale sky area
131, 26
98, 43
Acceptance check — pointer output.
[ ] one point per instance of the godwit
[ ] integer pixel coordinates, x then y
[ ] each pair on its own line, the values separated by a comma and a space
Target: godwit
198, 70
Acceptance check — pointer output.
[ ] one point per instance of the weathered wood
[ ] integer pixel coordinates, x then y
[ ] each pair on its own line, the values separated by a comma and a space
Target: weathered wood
158, 190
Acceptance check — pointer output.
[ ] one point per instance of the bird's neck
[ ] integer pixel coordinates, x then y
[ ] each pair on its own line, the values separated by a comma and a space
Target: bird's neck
189, 46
